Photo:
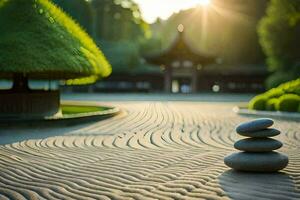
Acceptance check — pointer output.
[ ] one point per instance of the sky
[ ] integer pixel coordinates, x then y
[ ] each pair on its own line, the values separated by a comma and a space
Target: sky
151, 9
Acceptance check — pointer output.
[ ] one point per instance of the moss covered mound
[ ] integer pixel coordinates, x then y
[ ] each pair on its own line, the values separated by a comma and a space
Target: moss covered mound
39, 40
271, 104
288, 103
258, 103
285, 97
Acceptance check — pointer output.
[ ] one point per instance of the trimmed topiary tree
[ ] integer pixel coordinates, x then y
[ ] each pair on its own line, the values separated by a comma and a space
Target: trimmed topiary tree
39, 41
288, 103
258, 103
271, 104
278, 98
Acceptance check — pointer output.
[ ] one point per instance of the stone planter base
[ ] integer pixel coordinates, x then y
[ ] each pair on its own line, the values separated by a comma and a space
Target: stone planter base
29, 104
60, 119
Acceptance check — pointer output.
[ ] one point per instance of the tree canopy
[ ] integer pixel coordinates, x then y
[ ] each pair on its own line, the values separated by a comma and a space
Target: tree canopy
39, 40
116, 26
119, 30
118, 20
279, 34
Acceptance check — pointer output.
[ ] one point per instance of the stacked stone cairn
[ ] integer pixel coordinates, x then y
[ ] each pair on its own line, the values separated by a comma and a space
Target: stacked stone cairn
258, 153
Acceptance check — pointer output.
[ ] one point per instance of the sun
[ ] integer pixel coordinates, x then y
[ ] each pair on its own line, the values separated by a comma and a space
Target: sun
152, 9
205, 2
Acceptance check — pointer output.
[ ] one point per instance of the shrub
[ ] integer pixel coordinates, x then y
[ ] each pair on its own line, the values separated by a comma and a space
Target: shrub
284, 98
274, 93
258, 103
278, 78
292, 87
271, 103
288, 103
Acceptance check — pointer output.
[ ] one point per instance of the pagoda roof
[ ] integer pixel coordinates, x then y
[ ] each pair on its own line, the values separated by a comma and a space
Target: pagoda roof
179, 50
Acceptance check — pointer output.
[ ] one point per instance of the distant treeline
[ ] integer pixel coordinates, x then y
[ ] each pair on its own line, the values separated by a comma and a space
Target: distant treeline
116, 26
232, 30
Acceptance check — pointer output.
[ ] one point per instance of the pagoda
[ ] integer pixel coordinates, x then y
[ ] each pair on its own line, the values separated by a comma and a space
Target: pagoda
181, 64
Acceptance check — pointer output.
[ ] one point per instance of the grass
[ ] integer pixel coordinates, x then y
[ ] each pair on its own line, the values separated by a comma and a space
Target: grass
74, 109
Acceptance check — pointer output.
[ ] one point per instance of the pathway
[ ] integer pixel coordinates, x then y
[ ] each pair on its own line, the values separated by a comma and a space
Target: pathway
153, 150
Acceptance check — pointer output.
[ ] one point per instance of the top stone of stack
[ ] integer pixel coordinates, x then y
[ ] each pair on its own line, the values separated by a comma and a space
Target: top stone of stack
257, 128
255, 125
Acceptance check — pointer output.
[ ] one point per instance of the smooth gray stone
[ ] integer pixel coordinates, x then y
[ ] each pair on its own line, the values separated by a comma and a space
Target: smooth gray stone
268, 132
257, 162
257, 144
254, 125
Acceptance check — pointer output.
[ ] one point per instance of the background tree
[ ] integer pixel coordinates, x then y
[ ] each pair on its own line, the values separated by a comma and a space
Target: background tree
116, 26
80, 11
119, 30
118, 20
279, 33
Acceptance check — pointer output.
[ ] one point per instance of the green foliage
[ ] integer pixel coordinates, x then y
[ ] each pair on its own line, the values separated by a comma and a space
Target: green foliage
39, 40
258, 103
271, 104
282, 98
150, 45
292, 87
117, 27
279, 34
288, 103
2, 2
80, 11
76, 109
122, 55
278, 78
120, 20
274, 93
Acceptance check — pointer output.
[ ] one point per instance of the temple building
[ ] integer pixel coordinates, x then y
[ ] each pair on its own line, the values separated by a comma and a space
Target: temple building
189, 71
117, 26
181, 64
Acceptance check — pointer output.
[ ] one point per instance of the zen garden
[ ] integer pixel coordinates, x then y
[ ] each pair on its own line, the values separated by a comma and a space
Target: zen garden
140, 99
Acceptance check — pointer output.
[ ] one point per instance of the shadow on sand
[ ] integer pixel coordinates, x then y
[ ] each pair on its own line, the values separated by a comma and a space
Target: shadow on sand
250, 186
18, 133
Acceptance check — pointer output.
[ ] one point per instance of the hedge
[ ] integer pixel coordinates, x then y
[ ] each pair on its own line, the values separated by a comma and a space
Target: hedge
286, 97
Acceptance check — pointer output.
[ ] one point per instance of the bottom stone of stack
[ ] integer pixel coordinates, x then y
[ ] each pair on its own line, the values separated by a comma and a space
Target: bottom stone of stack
257, 162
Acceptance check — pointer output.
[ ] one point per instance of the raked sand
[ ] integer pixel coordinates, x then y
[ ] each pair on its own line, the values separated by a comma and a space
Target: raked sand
153, 150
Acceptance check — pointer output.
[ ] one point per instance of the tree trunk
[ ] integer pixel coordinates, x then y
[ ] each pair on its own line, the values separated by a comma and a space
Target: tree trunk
20, 83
